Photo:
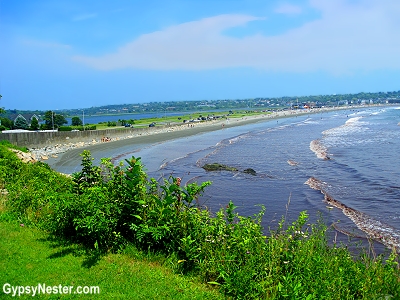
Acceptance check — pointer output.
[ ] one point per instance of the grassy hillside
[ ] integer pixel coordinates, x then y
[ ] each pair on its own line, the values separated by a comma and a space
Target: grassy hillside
114, 227
29, 257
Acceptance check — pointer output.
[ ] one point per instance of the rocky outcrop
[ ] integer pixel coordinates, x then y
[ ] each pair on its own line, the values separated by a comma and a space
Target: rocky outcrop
319, 149
26, 157
52, 151
292, 162
221, 167
250, 171
218, 167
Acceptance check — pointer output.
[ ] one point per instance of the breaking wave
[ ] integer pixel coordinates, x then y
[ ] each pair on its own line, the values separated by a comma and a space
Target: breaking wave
319, 149
375, 229
350, 126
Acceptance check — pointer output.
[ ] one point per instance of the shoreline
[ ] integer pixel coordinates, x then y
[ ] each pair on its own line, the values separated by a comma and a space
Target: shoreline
62, 154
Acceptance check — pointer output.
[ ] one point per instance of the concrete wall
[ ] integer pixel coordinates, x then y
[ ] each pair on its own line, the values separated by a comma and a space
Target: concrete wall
42, 139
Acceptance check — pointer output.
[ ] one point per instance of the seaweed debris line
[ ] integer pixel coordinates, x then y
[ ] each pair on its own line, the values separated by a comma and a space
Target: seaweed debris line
319, 149
379, 231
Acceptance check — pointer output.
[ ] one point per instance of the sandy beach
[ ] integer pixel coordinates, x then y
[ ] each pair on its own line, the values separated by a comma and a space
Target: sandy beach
69, 154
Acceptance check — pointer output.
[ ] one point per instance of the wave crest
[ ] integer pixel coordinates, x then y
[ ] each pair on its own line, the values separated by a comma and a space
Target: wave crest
319, 149
375, 229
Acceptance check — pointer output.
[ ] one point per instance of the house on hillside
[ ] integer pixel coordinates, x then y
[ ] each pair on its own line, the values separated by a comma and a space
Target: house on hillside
27, 117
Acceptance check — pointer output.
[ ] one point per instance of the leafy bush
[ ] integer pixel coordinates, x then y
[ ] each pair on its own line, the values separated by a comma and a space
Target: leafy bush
108, 199
65, 128
168, 216
83, 128
7, 123
32, 194
107, 206
8, 145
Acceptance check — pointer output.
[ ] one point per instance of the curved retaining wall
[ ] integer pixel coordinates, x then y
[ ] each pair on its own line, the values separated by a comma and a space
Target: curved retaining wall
42, 139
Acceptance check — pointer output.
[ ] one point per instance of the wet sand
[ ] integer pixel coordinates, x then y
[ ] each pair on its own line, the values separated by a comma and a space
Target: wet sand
70, 158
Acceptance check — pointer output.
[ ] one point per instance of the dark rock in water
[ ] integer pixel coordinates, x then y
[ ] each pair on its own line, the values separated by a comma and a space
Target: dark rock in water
218, 167
250, 171
221, 167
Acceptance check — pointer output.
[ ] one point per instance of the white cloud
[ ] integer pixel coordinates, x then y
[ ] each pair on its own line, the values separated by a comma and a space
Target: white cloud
349, 36
288, 9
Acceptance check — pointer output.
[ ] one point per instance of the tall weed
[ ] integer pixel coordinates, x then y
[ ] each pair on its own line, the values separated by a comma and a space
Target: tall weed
106, 207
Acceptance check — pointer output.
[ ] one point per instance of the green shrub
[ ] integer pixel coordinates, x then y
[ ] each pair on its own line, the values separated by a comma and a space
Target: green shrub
105, 207
108, 200
8, 145
83, 128
34, 187
65, 128
10, 165
168, 215
89, 176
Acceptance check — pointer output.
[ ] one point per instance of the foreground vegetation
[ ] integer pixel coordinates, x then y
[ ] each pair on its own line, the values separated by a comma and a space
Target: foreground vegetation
28, 256
116, 209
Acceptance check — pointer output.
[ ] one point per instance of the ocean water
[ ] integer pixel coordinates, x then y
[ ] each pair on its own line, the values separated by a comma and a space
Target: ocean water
347, 157
342, 165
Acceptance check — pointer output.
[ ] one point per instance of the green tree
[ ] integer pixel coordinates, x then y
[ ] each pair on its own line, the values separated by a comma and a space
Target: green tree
53, 120
59, 120
7, 123
34, 124
21, 123
76, 121
48, 119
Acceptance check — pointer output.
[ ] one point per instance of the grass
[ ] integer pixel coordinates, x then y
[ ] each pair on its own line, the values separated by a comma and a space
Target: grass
9, 145
226, 250
174, 120
28, 257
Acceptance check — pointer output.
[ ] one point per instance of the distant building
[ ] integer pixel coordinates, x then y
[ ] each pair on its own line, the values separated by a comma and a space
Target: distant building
28, 118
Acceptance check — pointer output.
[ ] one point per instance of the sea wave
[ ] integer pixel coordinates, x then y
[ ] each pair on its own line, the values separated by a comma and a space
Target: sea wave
350, 126
319, 149
343, 134
353, 120
379, 231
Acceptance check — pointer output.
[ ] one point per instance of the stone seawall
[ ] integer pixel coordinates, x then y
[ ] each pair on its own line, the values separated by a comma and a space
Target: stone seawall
44, 139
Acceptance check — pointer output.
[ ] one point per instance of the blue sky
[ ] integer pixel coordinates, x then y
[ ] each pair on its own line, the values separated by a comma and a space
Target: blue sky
78, 54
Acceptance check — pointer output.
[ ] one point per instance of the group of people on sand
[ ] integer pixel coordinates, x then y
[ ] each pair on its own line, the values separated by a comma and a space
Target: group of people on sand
105, 139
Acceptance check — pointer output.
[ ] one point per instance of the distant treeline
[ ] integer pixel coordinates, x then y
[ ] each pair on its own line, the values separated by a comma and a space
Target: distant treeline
228, 104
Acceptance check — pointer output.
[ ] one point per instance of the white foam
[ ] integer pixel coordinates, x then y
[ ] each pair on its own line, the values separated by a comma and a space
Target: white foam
319, 149
376, 229
353, 125
352, 121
